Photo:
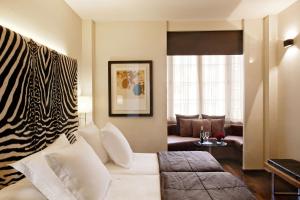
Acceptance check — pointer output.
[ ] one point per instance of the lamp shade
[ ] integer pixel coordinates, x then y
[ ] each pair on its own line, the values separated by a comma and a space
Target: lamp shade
85, 104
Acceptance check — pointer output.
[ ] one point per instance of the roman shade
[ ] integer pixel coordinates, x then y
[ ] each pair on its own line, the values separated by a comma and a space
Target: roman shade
205, 43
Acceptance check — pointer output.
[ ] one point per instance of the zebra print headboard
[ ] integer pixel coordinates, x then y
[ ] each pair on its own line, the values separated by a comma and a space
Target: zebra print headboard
38, 99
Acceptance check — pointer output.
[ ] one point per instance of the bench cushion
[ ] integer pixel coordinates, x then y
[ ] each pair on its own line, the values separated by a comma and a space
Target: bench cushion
237, 141
175, 139
188, 161
178, 143
203, 185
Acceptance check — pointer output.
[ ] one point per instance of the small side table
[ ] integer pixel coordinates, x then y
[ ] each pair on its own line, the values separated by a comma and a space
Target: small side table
210, 144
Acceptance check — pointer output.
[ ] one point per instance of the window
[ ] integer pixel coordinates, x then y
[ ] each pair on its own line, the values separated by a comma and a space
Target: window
211, 85
183, 84
236, 101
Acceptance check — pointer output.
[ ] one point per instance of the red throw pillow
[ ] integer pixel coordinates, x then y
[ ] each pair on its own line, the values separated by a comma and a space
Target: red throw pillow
219, 135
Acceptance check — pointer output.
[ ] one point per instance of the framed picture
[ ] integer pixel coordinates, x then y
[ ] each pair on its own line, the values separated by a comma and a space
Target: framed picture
130, 88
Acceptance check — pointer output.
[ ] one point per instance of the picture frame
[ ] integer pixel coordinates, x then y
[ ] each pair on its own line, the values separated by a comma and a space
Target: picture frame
130, 92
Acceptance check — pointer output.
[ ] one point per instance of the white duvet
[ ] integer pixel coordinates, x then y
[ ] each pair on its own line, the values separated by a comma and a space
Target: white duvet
134, 187
141, 181
143, 163
123, 187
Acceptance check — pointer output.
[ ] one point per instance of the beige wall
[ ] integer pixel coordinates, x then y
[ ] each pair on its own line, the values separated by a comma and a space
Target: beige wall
133, 41
87, 57
86, 69
51, 23
288, 84
253, 108
270, 87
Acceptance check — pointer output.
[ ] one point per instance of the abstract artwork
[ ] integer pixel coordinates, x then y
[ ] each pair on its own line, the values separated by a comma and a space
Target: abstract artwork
130, 88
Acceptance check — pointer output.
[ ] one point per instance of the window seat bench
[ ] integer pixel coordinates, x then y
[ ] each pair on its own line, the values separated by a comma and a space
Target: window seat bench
233, 136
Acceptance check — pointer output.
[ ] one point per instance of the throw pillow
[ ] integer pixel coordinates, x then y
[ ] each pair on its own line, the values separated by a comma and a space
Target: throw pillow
217, 126
178, 117
212, 116
93, 137
117, 146
80, 171
186, 128
196, 126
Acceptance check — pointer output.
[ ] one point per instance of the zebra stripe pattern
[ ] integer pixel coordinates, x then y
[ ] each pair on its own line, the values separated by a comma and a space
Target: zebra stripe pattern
38, 99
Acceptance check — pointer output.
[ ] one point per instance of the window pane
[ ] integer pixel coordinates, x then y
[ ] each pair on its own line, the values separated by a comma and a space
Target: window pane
185, 85
237, 88
213, 85
221, 84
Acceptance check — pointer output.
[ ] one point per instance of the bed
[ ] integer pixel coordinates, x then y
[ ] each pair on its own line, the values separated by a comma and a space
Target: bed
145, 181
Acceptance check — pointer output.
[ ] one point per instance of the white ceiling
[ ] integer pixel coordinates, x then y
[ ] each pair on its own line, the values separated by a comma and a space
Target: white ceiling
176, 9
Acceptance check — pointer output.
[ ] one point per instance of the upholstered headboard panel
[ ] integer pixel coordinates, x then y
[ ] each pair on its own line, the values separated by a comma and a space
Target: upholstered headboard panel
38, 99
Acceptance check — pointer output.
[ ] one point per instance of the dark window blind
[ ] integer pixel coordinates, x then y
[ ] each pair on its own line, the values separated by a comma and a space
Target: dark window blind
205, 43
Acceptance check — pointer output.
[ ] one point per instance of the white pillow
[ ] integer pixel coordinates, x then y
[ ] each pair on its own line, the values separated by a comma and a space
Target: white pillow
116, 145
80, 171
36, 169
91, 134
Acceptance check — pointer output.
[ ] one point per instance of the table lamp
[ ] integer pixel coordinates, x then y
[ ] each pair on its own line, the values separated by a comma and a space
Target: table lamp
85, 105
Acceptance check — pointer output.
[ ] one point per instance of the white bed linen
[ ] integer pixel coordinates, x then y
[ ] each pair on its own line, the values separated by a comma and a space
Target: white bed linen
134, 187
141, 181
143, 164
122, 187
22, 190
